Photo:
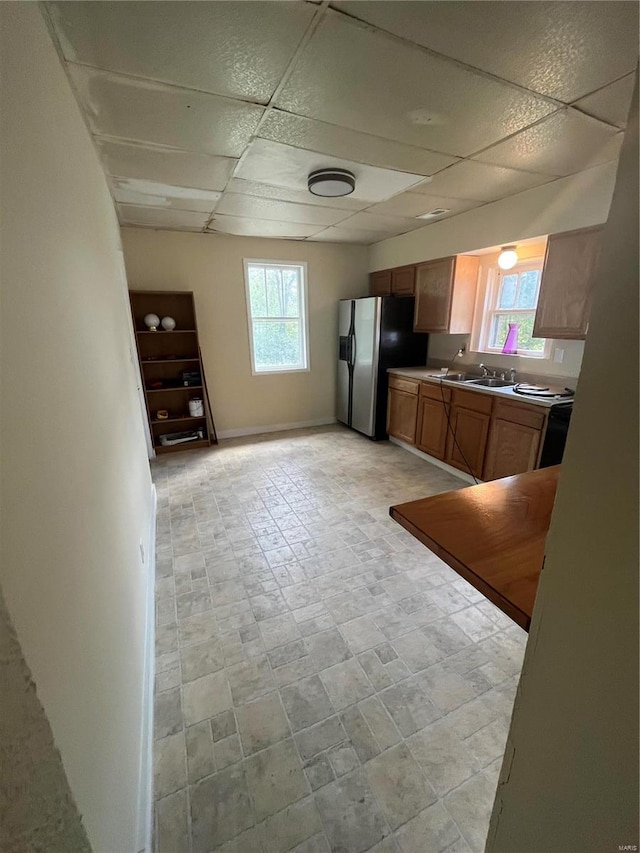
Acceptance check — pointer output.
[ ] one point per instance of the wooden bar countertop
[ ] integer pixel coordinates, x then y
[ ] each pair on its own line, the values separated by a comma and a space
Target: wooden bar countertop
492, 534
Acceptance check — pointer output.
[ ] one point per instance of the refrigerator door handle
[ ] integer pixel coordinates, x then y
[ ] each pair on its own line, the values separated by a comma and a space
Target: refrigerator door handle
352, 349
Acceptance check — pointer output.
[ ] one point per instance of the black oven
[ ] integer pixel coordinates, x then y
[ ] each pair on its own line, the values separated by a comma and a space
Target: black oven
556, 434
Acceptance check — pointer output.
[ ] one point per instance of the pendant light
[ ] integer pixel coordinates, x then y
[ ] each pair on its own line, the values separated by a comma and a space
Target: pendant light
507, 258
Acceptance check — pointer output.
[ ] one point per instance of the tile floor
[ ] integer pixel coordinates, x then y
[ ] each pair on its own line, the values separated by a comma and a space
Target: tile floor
324, 682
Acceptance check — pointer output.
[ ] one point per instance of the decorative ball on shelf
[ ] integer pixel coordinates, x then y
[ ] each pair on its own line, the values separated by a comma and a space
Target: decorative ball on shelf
168, 324
152, 321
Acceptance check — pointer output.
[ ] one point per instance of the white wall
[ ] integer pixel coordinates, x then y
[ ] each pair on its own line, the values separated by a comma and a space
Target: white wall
211, 266
574, 202
570, 776
75, 478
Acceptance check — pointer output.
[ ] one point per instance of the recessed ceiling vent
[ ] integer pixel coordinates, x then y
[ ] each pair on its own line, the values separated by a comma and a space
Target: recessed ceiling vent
331, 183
438, 211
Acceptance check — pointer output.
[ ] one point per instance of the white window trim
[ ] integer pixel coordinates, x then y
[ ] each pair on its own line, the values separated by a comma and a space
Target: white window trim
482, 324
304, 325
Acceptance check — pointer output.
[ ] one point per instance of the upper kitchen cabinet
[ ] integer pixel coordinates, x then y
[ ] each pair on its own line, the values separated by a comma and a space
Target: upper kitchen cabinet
445, 295
396, 282
380, 283
403, 281
566, 286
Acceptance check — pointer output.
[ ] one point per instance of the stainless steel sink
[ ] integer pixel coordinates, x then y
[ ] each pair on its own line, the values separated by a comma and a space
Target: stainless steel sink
491, 383
451, 377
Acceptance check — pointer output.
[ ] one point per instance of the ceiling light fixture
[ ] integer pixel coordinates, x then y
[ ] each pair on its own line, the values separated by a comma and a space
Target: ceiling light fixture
331, 183
507, 258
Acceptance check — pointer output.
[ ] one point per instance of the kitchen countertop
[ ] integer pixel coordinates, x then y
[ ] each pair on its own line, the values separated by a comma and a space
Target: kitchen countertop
493, 535
426, 374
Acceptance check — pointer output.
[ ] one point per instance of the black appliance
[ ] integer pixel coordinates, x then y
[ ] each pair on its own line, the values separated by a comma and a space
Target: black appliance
556, 434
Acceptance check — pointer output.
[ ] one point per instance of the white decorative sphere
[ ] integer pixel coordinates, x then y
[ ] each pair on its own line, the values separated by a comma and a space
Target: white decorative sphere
152, 321
168, 324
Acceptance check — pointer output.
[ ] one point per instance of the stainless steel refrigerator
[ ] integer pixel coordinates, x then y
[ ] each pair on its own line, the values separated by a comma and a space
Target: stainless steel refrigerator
375, 333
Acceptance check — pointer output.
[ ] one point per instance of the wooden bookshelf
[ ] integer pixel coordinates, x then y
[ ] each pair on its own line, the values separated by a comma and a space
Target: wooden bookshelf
163, 357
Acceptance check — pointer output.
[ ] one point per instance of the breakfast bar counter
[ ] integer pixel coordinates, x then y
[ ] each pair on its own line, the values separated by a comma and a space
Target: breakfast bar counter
492, 534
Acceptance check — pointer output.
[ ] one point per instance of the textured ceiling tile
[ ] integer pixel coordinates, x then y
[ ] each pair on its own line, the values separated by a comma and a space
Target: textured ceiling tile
276, 164
562, 50
365, 221
365, 80
415, 204
347, 202
159, 195
164, 166
183, 220
261, 227
350, 144
335, 234
163, 115
235, 48
481, 181
252, 207
563, 144
611, 103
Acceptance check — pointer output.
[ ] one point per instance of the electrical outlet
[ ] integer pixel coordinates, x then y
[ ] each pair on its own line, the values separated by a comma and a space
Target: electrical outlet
558, 355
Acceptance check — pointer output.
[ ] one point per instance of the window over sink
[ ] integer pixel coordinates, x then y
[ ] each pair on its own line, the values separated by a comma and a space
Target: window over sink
509, 310
277, 314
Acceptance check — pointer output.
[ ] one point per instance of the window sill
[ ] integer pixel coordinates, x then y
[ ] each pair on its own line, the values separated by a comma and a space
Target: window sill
279, 371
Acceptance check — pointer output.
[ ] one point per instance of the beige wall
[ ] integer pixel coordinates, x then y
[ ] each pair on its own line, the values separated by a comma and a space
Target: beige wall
211, 266
575, 202
570, 775
76, 490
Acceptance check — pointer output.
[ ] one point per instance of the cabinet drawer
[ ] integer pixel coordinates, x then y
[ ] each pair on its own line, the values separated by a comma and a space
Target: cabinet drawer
473, 401
519, 414
435, 391
409, 385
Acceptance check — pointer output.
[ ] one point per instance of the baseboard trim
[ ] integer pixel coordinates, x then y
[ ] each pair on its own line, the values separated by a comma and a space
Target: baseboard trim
145, 790
257, 430
437, 462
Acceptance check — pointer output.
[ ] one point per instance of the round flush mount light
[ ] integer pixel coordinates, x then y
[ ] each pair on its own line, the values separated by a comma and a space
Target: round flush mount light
331, 183
507, 258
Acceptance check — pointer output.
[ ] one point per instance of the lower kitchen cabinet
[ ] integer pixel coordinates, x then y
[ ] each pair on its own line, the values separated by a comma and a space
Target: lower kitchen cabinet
471, 429
514, 440
431, 435
402, 408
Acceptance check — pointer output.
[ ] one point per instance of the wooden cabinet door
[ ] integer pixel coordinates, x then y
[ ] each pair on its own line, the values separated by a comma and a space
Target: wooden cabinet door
471, 429
566, 287
431, 435
512, 449
402, 412
434, 289
380, 283
403, 281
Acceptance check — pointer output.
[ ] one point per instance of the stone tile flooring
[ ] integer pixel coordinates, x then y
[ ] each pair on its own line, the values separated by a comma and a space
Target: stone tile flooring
324, 682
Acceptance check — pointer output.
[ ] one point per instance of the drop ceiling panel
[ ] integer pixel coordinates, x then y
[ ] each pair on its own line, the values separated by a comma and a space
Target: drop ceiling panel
150, 194
415, 204
563, 144
388, 225
362, 79
611, 103
261, 227
562, 50
164, 115
274, 163
265, 208
350, 144
347, 202
336, 234
178, 168
481, 181
236, 49
184, 220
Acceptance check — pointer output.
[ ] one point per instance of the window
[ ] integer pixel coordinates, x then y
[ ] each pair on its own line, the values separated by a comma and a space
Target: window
277, 312
511, 300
